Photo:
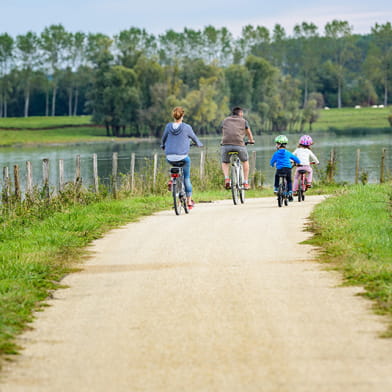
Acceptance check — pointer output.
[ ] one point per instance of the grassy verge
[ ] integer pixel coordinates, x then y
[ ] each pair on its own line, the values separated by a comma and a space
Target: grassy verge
353, 119
354, 231
39, 246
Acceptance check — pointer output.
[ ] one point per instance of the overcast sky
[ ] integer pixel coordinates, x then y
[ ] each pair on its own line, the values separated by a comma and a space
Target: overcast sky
157, 16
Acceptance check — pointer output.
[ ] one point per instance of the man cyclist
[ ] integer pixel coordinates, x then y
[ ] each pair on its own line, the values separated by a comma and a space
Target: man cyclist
234, 129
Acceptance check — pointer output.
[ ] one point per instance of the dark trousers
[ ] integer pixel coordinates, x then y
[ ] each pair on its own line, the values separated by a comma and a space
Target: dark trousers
286, 171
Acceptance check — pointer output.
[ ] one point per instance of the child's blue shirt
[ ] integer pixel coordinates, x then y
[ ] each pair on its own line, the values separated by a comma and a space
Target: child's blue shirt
282, 158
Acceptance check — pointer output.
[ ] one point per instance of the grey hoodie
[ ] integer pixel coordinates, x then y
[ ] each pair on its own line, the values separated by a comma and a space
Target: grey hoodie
176, 141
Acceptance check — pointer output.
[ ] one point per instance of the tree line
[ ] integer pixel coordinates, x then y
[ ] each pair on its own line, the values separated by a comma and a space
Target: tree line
130, 82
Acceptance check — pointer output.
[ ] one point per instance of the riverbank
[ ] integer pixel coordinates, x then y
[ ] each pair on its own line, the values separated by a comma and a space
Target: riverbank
71, 130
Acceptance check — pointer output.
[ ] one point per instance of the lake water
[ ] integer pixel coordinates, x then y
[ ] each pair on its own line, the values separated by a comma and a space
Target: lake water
345, 146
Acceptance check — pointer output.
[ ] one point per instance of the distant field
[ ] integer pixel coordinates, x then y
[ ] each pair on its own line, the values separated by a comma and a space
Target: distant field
43, 122
53, 136
350, 118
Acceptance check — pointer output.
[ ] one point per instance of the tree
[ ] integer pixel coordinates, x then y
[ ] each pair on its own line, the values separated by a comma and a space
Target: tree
341, 49
278, 48
217, 44
264, 78
6, 55
383, 54
29, 59
132, 44
306, 39
239, 80
172, 47
148, 73
204, 110
54, 41
116, 101
310, 113
252, 41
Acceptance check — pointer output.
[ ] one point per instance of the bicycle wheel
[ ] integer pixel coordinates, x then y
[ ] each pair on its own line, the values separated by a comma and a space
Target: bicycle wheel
234, 184
285, 192
280, 193
176, 198
183, 200
300, 193
241, 185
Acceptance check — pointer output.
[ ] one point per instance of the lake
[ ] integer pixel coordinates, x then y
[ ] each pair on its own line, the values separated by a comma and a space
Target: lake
345, 145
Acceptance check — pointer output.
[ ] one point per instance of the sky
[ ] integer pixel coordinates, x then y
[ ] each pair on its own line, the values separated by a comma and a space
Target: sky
157, 16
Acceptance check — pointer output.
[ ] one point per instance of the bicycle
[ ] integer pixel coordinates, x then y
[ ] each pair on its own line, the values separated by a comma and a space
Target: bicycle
302, 183
237, 177
178, 188
283, 192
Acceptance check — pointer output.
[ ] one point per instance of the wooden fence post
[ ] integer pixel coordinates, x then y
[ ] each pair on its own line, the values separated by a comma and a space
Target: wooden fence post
17, 182
331, 167
6, 186
78, 177
132, 172
95, 173
252, 168
155, 171
45, 177
202, 163
114, 174
61, 175
357, 165
29, 180
382, 168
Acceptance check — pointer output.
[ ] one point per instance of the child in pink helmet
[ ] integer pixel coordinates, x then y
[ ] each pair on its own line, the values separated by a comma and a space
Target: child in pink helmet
306, 156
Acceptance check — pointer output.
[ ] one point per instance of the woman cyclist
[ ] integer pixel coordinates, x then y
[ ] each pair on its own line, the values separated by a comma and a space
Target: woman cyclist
176, 143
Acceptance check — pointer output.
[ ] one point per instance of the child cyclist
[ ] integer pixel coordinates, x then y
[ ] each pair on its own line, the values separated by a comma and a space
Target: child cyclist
306, 156
282, 159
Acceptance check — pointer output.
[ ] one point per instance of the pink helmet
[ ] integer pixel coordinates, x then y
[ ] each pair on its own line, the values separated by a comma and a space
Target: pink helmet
306, 140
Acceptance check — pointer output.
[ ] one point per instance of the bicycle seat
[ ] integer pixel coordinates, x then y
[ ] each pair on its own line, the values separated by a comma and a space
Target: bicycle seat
233, 152
175, 170
283, 175
302, 171
178, 163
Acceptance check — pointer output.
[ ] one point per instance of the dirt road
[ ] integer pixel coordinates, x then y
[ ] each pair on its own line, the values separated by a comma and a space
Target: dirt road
224, 299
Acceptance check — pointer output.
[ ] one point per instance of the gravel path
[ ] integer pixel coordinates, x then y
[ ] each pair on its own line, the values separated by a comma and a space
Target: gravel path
223, 299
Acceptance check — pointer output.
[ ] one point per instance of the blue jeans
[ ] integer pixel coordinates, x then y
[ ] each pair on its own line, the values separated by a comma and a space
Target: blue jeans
187, 175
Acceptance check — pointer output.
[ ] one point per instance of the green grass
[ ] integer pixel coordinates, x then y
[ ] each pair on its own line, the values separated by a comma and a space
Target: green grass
53, 136
39, 122
40, 244
353, 119
354, 230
